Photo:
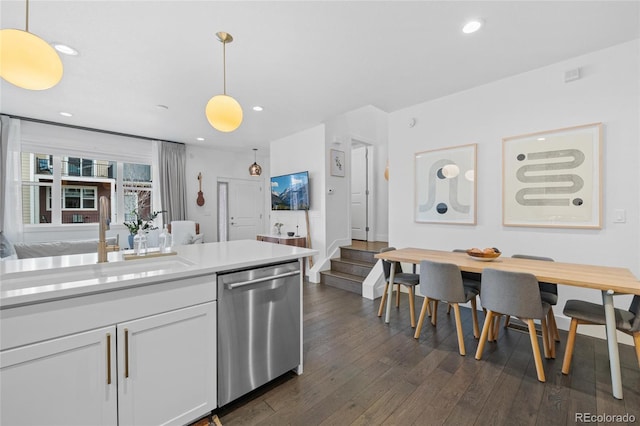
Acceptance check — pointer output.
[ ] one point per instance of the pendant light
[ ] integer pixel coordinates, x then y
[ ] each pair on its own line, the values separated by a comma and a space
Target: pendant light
27, 60
255, 169
223, 112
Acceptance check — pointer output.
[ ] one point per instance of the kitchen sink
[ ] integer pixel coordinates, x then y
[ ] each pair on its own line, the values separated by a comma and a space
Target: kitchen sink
75, 276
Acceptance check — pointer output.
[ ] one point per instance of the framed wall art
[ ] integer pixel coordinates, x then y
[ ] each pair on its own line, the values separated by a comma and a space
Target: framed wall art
445, 185
553, 178
337, 163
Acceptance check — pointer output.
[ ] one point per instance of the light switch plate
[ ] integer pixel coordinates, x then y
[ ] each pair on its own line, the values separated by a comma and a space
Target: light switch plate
619, 216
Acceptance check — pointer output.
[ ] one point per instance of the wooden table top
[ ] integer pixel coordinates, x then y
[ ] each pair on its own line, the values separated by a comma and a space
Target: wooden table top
620, 280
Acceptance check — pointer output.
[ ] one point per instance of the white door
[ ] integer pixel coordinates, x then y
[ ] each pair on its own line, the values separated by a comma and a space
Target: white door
65, 381
246, 207
359, 193
167, 367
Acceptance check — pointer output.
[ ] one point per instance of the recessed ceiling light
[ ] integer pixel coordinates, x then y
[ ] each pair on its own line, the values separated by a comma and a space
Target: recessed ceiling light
67, 50
66, 114
257, 108
472, 26
200, 139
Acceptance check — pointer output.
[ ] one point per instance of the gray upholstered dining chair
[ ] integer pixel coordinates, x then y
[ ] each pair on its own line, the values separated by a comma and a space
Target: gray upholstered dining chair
409, 280
516, 294
443, 282
548, 293
470, 279
582, 312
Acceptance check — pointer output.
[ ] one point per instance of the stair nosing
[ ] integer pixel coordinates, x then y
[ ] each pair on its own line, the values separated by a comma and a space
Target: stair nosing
343, 275
353, 261
359, 249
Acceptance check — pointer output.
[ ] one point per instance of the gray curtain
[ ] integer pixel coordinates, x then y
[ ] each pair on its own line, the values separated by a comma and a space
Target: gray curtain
171, 170
4, 131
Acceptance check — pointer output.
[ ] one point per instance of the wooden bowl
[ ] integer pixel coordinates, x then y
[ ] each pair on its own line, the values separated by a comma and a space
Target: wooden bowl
483, 257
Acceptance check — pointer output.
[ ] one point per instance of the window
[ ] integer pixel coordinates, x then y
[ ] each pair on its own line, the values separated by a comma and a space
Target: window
78, 186
76, 198
137, 190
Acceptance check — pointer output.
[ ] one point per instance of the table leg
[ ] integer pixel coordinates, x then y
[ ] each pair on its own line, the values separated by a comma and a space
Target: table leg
612, 343
392, 277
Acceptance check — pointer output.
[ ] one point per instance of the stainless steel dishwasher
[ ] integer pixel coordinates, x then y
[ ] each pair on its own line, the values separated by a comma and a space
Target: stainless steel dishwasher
258, 327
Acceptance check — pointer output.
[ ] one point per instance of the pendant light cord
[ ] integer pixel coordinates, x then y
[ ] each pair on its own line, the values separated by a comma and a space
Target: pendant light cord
27, 14
224, 66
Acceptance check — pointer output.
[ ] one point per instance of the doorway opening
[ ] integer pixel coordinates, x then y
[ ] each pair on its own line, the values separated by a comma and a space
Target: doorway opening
362, 191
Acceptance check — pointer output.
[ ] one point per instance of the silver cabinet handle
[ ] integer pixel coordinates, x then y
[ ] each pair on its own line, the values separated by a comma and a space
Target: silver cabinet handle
261, 280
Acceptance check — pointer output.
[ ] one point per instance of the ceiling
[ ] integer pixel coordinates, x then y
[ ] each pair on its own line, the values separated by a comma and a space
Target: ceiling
304, 62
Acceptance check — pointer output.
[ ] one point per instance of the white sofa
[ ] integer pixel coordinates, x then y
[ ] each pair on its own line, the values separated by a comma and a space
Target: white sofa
58, 248
185, 232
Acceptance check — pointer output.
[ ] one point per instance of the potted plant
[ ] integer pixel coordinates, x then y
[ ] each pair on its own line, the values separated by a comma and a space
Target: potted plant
278, 226
140, 222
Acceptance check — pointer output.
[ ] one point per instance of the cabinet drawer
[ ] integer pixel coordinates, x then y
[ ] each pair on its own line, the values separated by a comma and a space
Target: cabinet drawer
33, 323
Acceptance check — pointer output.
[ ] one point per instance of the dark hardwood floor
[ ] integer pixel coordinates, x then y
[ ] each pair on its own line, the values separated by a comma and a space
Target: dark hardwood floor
360, 371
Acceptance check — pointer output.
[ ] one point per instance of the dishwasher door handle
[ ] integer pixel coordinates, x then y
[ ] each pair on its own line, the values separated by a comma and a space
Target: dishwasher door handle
232, 286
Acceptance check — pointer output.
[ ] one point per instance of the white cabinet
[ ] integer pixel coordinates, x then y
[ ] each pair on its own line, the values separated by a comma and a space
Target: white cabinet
64, 381
167, 367
163, 372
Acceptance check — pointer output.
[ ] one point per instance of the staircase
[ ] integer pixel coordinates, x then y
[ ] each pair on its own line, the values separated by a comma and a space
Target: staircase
352, 267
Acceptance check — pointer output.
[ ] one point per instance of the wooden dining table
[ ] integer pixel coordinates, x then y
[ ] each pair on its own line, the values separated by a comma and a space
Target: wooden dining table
607, 279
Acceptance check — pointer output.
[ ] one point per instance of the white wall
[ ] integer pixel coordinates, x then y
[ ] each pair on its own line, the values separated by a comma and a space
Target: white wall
369, 125
296, 153
310, 150
214, 164
539, 100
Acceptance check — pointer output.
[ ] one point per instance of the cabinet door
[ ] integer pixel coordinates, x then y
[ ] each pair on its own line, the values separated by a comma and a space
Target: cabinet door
167, 367
65, 381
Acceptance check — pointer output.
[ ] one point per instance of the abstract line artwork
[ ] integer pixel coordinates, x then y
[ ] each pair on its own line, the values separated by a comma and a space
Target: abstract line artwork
446, 185
552, 179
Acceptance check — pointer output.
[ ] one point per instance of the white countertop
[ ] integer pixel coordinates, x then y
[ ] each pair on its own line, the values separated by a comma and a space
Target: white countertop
37, 280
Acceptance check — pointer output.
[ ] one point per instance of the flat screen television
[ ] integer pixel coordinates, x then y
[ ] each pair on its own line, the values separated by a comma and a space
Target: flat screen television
290, 192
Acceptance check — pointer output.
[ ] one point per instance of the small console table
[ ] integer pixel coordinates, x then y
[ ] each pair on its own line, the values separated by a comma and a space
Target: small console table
283, 239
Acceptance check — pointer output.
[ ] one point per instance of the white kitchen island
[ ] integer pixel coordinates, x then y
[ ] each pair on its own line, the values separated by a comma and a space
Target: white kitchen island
123, 342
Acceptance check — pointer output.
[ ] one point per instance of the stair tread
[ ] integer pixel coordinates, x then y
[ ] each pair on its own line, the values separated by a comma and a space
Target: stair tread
344, 275
359, 249
353, 261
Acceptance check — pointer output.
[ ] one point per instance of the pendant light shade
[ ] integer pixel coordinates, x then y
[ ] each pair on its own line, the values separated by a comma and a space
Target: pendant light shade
28, 61
223, 112
255, 169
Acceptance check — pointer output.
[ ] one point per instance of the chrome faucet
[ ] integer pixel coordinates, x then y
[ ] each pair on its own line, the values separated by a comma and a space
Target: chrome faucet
102, 229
